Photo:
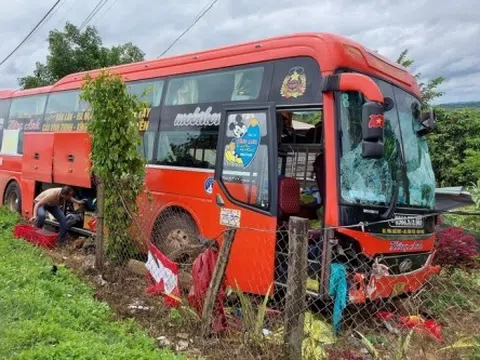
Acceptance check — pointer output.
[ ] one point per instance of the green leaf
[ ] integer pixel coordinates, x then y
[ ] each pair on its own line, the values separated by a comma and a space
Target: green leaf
371, 349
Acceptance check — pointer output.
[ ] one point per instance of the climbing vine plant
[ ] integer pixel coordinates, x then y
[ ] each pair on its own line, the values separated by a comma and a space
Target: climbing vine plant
116, 160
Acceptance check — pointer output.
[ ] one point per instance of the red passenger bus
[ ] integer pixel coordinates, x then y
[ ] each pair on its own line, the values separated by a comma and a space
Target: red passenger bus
222, 150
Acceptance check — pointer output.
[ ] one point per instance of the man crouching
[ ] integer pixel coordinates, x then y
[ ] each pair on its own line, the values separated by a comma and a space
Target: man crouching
50, 200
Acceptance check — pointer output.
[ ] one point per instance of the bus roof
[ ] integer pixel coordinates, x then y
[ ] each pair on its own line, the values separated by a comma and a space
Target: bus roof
33, 91
332, 52
5, 94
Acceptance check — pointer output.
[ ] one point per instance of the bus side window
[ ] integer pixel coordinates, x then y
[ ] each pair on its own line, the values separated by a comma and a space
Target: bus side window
4, 106
146, 147
245, 165
25, 110
224, 86
147, 91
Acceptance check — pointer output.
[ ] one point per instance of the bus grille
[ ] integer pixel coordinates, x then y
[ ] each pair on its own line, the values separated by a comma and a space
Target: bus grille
401, 264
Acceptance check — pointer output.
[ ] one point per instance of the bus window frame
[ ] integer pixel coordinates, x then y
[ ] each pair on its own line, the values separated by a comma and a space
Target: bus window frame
270, 110
267, 77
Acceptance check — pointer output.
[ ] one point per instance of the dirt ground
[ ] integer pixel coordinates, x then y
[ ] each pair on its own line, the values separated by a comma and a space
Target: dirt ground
179, 329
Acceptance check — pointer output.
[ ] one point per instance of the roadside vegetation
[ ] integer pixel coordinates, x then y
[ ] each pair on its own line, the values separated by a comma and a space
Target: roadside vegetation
46, 312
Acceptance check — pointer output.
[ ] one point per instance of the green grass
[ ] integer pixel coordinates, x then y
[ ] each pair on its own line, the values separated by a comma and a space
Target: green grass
47, 316
456, 290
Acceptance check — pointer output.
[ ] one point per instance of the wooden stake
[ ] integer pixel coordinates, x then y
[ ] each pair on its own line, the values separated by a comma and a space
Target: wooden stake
295, 302
216, 282
99, 238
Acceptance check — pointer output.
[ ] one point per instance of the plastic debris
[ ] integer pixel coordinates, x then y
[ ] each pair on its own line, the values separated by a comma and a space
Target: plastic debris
163, 276
429, 327
202, 272
394, 323
163, 341
182, 345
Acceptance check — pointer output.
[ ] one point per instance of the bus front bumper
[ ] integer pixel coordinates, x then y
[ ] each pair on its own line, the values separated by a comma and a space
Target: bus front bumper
378, 287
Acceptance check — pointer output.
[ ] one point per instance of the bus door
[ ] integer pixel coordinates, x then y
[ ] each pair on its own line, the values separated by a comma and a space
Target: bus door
245, 191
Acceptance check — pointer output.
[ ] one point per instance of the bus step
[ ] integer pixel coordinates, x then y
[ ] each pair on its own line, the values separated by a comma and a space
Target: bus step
72, 229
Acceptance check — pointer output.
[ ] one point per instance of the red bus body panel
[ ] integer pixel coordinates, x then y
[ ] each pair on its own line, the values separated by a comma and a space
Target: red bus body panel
37, 160
253, 254
71, 159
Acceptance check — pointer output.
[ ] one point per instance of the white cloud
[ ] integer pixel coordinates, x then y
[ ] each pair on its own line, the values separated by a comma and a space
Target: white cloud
442, 36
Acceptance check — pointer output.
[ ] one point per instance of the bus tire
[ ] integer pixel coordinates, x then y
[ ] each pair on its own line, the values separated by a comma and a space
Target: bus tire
13, 197
176, 235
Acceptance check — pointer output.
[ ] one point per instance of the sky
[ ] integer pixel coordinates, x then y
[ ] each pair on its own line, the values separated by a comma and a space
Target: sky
443, 37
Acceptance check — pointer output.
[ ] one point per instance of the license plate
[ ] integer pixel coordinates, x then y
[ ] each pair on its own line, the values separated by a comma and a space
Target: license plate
407, 221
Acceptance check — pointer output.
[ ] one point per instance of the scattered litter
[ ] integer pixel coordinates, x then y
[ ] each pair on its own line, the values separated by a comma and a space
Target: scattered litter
388, 319
89, 262
138, 305
429, 327
394, 323
182, 336
163, 276
182, 345
100, 281
163, 341
266, 332
202, 272
364, 351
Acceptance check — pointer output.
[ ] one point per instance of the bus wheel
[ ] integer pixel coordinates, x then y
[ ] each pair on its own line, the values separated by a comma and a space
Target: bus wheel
176, 235
13, 198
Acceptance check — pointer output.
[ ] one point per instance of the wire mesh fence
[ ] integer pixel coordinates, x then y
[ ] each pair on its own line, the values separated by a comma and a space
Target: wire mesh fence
301, 290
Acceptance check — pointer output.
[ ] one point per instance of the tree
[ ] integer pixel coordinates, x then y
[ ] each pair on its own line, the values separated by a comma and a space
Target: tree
455, 146
72, 50
429, 88
116, 161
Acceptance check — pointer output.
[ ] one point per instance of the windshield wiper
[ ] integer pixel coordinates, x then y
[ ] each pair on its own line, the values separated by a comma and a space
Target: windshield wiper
393, 202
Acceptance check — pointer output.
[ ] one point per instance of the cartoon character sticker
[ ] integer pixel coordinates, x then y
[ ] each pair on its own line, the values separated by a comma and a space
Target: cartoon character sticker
246, 139
294, 84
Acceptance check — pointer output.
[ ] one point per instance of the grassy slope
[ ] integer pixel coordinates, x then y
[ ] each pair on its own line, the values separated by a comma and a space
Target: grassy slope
46, 316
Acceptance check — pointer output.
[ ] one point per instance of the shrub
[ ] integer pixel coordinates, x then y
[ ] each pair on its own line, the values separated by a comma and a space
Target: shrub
455, 248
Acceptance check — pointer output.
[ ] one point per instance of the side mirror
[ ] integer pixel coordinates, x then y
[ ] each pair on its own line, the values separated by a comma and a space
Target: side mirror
427, 119
372, 150
372, 121
372, 110
372, 130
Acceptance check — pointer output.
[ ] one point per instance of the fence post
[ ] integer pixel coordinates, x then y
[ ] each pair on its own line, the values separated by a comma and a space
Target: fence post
295, 301
99, 238
217, 278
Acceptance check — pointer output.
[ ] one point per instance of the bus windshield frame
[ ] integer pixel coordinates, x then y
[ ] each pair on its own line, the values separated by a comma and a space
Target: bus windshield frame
406, 163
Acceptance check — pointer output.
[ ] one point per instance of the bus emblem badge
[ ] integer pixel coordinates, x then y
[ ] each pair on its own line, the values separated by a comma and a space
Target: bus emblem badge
208, 186
294, 84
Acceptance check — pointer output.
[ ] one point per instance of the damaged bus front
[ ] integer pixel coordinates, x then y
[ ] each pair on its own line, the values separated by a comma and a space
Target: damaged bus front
386, 201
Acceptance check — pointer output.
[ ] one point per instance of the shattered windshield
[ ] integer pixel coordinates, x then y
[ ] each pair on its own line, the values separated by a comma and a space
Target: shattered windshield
419, 172
372, 181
